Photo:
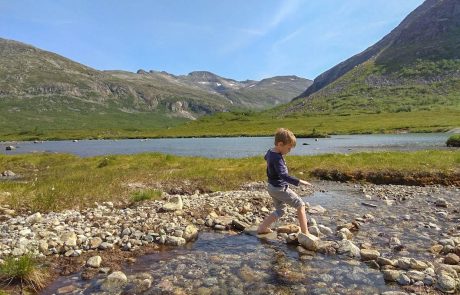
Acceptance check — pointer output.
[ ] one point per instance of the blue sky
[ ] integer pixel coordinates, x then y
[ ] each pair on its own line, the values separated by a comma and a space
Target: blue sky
239, 39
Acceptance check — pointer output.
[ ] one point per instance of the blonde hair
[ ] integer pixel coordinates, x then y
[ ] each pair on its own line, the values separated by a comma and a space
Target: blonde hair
285, 136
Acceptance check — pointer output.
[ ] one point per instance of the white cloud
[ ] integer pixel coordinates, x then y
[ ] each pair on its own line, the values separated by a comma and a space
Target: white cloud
287, 9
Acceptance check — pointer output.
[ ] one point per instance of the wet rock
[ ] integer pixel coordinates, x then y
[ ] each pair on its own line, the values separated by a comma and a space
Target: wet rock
416, 275
436, 249
66, 289
94, 261
446, 283
219, 227
325, 230
367, 254
308, 241
288, 229
318, 209
190, 233
141, 282
417, 264
403, 263
292, 238
382, 261
328, 247
441, 203
314, 230
346, 247
451, 258
391, 275
428, 280
175, 241
239, 225
114, 282
372, 264
344, 234
447, 269
403, 279
203, 291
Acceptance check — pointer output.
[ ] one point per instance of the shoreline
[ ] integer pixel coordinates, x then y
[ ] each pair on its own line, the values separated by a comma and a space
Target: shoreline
268, 134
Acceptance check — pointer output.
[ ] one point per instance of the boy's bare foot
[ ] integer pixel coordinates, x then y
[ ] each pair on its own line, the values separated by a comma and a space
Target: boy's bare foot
264, 232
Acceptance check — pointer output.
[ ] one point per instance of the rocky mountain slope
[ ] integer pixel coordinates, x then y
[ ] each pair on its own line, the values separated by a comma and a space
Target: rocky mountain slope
416, 66
28, 73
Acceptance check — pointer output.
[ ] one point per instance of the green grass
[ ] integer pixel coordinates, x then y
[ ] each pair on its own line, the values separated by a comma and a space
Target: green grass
371, 88
62, 118
454, 140
145, 195
59, 181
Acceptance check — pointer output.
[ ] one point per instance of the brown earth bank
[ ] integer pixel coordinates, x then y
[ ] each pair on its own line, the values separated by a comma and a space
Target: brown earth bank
390, 177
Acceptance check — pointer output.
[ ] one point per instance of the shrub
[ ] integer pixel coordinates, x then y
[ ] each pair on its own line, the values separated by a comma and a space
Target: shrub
454, 140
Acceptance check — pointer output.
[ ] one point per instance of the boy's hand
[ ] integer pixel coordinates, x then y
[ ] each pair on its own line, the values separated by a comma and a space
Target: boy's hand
303, 182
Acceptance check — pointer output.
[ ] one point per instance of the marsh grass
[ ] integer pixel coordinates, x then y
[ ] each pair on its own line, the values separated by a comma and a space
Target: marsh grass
59, 181
315, 125
246, 124
23, 271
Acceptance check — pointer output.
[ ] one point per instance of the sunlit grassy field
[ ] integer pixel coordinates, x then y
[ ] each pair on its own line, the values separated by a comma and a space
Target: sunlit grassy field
60, 181
264, 124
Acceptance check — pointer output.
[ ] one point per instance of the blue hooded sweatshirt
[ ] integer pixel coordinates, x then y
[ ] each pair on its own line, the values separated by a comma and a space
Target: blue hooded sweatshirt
277, 171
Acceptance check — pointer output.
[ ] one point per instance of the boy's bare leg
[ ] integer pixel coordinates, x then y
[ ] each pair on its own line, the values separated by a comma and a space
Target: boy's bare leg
302, 219
264, 227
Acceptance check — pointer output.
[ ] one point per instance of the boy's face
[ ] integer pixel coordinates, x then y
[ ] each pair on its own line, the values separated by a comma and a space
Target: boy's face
284, 148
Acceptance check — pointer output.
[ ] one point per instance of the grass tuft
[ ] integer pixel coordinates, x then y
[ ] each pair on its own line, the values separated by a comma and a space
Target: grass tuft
24, 271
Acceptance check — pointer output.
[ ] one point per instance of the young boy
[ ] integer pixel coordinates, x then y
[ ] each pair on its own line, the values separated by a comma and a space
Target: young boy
278, 180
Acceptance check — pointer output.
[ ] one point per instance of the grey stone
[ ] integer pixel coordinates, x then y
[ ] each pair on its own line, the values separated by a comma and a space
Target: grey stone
346, 247
94, 261
114, 282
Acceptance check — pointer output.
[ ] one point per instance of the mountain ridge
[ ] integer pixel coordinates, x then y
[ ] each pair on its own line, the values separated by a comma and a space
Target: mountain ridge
415, 66
27, 71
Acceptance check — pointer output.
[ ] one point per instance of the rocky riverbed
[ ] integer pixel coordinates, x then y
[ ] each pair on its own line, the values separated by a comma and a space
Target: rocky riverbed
366, 239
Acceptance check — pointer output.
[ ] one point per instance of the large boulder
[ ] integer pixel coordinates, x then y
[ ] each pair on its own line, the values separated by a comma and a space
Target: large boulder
308, 241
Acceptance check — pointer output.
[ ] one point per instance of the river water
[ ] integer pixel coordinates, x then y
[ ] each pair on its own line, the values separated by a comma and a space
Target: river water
234, 147
238, 263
